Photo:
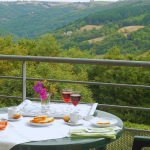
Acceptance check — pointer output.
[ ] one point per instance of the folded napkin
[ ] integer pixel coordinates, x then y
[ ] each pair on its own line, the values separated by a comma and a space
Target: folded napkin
3, 125
82, 133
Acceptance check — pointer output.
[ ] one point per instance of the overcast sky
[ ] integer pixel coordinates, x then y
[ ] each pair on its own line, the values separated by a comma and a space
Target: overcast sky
64, 0
78, 0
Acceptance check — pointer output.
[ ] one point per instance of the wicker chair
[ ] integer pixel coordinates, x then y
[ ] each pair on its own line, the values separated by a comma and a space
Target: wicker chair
140, 142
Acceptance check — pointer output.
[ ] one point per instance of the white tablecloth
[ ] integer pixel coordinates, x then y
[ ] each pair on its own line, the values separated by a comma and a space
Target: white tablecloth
21, 131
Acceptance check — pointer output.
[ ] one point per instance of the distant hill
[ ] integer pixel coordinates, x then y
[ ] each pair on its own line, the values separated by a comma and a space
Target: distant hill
5, 33
133, 17
32, 19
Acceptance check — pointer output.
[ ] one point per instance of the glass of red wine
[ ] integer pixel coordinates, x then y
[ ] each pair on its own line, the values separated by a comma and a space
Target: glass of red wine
66, 96
75, 98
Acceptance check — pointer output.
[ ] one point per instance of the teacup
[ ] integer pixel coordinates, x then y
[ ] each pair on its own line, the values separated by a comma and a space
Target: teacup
12, 111
75, 117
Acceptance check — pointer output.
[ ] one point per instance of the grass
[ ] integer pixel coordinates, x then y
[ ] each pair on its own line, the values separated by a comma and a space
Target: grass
129, 29
90, 27
96, 40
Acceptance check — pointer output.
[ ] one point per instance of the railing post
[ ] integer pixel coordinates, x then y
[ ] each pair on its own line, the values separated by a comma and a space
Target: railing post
23, 81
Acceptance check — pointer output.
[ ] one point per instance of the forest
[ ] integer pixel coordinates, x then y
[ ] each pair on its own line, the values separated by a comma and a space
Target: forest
31, 19
126, 15
115, 46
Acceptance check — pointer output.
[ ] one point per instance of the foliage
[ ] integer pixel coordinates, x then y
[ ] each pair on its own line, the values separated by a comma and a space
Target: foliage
136, 97
136, 126
40, 70
5, 33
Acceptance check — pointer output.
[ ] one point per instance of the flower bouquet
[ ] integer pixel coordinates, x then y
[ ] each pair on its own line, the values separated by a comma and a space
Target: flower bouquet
45, 91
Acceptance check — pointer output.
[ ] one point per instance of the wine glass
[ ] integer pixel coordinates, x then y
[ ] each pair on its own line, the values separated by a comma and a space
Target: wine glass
66, 96
75, 98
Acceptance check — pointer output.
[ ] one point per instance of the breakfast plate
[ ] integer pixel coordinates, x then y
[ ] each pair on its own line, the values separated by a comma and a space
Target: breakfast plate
40, 124
80, 122
104, 120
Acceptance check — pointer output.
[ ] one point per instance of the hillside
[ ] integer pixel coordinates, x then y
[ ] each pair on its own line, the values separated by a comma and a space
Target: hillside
32, 19
125, 30
5, 33
111, 22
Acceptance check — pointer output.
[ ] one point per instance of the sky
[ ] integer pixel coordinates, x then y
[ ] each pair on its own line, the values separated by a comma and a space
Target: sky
63, 0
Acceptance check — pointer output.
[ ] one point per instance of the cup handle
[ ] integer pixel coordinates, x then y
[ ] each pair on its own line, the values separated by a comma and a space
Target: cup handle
19, 112
79, 117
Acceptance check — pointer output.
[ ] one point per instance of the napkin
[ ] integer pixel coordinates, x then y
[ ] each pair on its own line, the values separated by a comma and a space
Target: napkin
3, 125
81, 133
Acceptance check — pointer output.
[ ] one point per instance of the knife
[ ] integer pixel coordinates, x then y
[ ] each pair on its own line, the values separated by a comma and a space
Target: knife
100, 131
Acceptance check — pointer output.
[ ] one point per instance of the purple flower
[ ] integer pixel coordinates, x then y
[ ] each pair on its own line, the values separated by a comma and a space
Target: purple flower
39, 84
42, 93
36, 88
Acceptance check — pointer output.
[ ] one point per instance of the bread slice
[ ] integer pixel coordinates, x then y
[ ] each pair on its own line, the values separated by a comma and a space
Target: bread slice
42, 120
37, 120
103, 122
42, 117
48, 120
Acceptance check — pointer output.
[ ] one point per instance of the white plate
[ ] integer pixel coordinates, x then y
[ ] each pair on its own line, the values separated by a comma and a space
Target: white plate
15, 119
40, 124
112, 121
76, 124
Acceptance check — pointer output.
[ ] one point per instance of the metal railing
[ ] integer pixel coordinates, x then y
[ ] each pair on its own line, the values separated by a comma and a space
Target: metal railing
77, 61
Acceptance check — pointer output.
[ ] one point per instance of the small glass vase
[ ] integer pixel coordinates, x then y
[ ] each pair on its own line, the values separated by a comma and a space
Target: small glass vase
45, 105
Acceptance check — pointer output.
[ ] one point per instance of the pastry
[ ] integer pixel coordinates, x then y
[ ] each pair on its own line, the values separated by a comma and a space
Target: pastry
66, 118
48, 120
103, 122
42, 119
17, 116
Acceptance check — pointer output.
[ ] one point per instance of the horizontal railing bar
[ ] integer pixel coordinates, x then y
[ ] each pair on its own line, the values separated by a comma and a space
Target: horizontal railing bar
13, 97
82, 82
8, 77
123, 107
92, 83
139, 130
77, 60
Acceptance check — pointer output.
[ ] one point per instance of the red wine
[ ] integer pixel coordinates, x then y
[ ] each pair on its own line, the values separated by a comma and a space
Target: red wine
66, 96
75, 99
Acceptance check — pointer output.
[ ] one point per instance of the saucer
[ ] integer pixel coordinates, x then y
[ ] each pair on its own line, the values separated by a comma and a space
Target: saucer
15, 119
75, 124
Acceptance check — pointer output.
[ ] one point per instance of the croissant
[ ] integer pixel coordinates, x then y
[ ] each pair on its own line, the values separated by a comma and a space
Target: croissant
66, 118
17, 116
42, 119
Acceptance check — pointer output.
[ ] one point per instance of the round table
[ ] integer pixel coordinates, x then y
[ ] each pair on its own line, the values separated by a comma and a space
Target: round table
71, 143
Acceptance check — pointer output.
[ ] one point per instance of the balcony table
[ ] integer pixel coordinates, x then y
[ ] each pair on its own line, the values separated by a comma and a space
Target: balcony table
72, 143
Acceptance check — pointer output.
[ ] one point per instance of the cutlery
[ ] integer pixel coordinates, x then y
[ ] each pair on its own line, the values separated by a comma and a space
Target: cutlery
100, 131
